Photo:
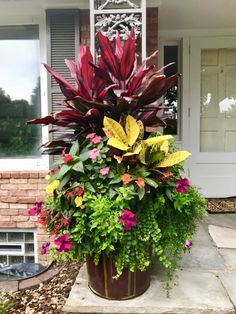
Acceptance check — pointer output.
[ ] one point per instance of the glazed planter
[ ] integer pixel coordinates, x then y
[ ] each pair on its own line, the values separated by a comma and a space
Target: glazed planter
129, 285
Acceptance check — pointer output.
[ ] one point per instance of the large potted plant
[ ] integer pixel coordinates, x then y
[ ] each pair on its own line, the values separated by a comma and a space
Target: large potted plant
116, 195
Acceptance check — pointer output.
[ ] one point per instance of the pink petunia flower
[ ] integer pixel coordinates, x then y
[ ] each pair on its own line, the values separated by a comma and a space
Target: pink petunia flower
44, 248
91, 135
94, 153
188, 244
63, 243
128, 218
182, 185
104, 171
36, 209
96, 140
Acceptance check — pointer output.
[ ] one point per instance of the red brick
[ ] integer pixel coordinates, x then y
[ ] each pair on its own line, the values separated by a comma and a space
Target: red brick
18, 181
152, 12
3, 181
33, 175
26, 224
3, 192
9, 212
4, 206
5, 218
42, 174
5, 199
35, 180
7, 224
6, 175
18, 206
41, 186
24, 212
33, 218
10, 186
26, 200
28, 186
43, 238
18, 193
20, 218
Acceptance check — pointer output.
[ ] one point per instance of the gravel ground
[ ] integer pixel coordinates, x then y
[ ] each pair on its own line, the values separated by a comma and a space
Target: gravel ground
48, 298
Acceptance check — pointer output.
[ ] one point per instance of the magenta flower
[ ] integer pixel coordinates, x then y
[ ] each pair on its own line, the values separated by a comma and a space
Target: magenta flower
104, 171
188, 244
64, 243
91, 135
182, 185
36, 209
44, 248
128, 218
94, 153
96, 140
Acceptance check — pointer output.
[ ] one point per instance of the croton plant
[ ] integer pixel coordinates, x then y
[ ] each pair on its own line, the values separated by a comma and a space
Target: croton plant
117, 187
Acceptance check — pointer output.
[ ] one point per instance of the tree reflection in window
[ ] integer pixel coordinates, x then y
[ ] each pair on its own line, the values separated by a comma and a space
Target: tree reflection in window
19, 91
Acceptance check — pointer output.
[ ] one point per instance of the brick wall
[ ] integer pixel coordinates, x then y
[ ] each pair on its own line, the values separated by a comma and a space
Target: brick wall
18, 192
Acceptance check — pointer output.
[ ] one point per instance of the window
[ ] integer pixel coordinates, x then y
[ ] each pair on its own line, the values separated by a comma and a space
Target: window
171, 53
19, 91
17, 246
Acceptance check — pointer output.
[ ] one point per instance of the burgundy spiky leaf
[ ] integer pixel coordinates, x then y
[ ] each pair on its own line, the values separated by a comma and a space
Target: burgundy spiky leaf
128, 57
67, 89
156, 88
108, 56
46, 120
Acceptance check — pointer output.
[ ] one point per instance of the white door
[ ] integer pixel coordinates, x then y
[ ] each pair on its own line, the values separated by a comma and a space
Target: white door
212, 127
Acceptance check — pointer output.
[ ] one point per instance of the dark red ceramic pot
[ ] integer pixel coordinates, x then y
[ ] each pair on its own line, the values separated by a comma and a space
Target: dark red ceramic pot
128, 285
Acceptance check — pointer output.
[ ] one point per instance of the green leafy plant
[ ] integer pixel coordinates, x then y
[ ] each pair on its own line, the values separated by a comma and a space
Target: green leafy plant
118, 189
5, 304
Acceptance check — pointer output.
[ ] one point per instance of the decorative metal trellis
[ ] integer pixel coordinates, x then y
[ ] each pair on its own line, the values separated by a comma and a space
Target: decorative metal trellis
110, 16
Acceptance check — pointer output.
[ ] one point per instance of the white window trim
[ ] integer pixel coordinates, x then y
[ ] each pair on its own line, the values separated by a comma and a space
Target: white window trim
38, 163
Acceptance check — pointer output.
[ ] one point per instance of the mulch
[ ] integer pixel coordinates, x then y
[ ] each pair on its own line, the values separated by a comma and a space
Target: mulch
221, 205
47, 298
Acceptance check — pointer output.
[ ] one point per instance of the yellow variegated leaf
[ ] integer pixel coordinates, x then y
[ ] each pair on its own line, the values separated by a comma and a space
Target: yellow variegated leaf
173, 159
165, 147
158, 139
142, 154
117, 144
132, 130
108, 132
134, 152
116, 129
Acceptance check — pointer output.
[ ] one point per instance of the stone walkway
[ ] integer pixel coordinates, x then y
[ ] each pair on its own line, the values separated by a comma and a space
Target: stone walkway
206, 284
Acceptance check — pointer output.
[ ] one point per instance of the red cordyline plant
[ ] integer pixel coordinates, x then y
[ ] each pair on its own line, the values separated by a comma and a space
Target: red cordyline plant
113, 87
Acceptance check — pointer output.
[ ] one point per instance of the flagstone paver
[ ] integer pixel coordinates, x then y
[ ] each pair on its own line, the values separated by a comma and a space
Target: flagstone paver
229, 282
223, 237
193, 292
229, 258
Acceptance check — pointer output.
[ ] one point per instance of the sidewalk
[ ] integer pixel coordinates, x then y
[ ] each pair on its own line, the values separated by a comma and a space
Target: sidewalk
206, 284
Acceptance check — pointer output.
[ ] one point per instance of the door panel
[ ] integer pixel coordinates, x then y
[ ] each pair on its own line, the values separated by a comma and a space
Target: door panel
213, 115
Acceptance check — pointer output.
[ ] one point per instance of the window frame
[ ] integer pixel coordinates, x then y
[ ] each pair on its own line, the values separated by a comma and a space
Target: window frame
29, 163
